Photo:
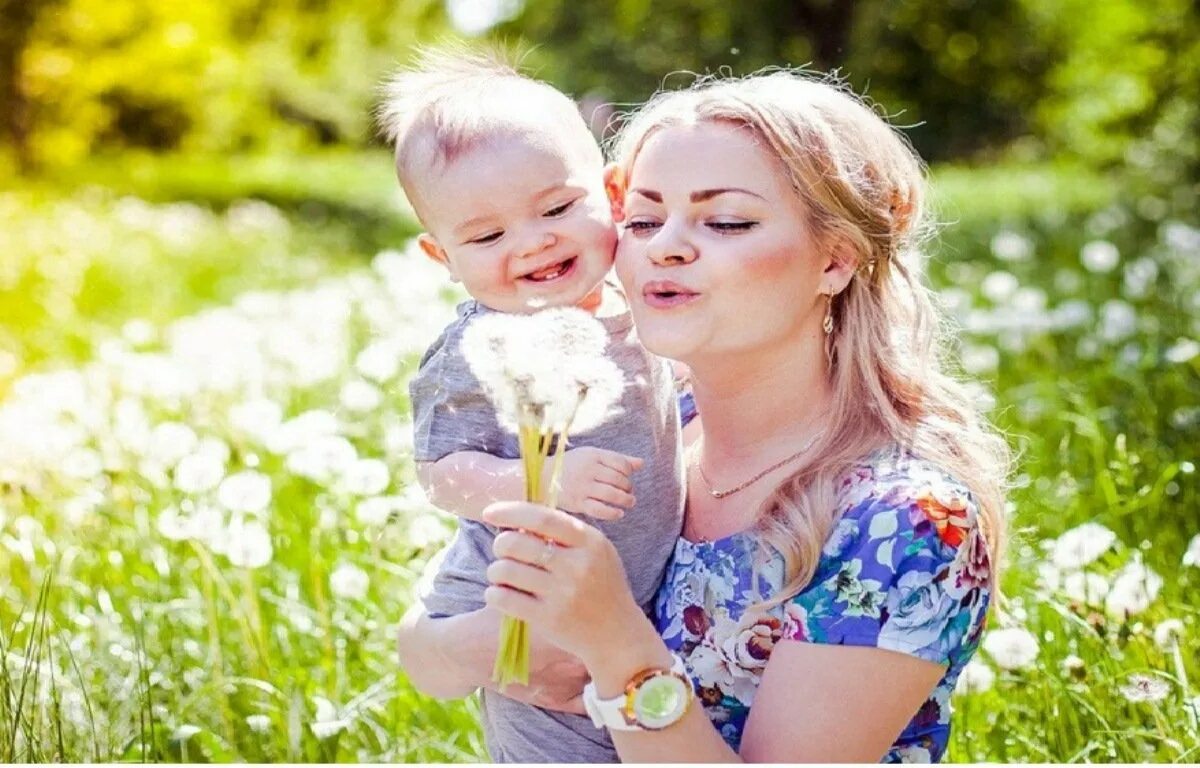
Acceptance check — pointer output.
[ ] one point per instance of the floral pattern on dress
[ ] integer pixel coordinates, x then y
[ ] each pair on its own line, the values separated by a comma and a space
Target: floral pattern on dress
905, 569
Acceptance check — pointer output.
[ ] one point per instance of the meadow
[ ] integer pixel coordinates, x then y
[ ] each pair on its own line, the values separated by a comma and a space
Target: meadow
209, 525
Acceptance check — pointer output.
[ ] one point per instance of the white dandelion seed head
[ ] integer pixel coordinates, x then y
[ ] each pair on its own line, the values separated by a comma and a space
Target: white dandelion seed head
1099, 256
1082, 545
258, 723
199, 472
1133, 590
173, 525
249, 543
170, 441
1182, 351
323, 459
364, 477
301, 431
976, 677
1168, 634
1192, 556
978, 358
1011, 246
349, 582
185, 732
1012, 648
247, 492
82, 464
379, 361
999, 286
257, 418
1118, 320
1088, 588
360, 396
376, 510
1048, 577
1140, 688
426, 530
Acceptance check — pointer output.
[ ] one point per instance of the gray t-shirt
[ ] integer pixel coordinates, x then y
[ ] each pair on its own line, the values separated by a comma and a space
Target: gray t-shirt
451, 414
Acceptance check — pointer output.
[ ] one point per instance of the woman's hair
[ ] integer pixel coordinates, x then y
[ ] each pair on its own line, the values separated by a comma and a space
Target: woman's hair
862, 185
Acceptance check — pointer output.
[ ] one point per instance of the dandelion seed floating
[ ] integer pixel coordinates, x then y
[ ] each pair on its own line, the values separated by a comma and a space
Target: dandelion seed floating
546, 376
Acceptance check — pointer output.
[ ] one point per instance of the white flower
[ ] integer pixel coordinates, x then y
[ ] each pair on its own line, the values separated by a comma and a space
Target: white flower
1192, 555
301, 431
139, 332
185, 732
199, 472
170, 442
1099, 256
1072, 313
82, 464
1089, 588
976, 677
1139, 277
171, 525
327, 722
1168, 634
256, 418
246, 492
349, 582
1144, 688
379, 361
425, 530
1011, 246
1117, 320
999, 286
1182, 351
249, 544
259, 723
1013, 648
360, 396
365, 477
322, 459
1082, 545
978, 359
1133, 590
375, 510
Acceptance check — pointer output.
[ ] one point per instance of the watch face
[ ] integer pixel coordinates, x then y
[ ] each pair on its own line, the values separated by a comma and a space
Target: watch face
660, 702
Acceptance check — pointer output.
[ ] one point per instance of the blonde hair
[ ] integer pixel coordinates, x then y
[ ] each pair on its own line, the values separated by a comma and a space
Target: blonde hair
862, 185
452, 99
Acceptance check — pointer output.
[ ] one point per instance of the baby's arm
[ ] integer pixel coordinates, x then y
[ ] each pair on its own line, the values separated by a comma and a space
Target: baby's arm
594, 482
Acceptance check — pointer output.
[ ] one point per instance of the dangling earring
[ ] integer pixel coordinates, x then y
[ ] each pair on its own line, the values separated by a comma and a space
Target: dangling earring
827, 324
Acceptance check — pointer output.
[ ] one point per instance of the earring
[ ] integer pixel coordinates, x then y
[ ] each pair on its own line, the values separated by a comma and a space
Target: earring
827, 324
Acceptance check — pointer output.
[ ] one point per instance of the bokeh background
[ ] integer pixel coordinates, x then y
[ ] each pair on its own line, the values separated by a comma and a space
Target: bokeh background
209, 309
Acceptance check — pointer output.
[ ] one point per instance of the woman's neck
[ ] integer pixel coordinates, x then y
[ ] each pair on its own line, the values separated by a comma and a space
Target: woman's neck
762, 403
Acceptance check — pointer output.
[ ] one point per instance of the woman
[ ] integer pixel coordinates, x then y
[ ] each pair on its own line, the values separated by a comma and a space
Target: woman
845, 501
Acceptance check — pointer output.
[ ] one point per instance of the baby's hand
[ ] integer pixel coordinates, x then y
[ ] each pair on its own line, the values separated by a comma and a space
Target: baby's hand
595, 482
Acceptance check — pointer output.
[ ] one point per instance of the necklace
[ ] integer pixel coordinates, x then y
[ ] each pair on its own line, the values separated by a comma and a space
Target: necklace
743, 486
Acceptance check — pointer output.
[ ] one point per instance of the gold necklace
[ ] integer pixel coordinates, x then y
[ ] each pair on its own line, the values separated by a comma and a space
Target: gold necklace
743, 486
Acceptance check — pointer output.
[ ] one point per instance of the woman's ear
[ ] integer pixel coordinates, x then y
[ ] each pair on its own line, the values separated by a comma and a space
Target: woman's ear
436, 252
842, 261
614, 187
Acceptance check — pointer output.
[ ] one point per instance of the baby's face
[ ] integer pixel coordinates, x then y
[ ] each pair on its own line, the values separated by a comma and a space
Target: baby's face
523, 222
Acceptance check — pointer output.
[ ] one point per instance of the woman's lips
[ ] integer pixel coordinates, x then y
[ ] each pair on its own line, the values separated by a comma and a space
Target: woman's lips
667, 295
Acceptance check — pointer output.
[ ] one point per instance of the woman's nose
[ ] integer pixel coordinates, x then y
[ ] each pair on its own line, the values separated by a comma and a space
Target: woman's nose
668, 248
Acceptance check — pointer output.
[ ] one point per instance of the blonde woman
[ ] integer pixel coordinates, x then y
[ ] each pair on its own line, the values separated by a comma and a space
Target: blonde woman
845, 500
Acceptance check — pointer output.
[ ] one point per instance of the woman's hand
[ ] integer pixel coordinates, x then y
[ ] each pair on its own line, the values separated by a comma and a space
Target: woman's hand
556, 679
561, 576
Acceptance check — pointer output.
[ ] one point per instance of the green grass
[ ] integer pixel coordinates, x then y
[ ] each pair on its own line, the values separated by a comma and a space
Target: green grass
122, 638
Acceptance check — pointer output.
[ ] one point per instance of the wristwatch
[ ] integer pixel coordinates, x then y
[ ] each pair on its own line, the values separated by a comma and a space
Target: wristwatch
654, 699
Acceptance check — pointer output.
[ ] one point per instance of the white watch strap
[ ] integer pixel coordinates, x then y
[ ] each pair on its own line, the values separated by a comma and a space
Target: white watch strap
610, 713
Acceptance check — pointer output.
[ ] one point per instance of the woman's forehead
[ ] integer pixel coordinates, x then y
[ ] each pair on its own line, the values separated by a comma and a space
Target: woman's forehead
708, 155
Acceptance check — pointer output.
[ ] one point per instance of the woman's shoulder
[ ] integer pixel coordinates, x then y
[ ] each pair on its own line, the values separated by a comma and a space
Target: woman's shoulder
893, 492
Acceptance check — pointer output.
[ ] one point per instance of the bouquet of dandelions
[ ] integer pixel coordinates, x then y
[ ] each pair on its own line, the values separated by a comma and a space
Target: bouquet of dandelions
546, 375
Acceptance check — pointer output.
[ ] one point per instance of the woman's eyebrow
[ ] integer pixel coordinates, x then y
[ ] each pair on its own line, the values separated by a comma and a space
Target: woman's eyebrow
698, 196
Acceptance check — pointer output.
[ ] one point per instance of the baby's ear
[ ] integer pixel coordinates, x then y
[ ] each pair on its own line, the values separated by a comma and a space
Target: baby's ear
614, 186
436, 252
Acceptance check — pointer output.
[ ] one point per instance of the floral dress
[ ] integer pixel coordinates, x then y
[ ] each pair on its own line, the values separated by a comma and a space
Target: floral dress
905, 569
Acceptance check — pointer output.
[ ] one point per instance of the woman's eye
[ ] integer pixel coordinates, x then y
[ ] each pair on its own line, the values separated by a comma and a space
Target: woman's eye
641, 225
490, 237
559, 210
732, 226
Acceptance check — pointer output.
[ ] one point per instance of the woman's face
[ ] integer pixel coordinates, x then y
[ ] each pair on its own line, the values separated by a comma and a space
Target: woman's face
716, 254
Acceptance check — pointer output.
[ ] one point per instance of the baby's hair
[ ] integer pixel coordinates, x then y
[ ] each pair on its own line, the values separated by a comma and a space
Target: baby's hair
452, 98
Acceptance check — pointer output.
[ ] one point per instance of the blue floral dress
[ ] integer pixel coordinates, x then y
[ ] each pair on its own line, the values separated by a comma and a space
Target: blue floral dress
905, 569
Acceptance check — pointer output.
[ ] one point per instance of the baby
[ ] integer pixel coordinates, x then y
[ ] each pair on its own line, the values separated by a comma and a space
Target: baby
509, 185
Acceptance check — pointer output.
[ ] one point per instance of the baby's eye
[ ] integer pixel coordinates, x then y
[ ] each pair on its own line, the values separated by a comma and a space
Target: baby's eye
490, 237
732, 226
559, 210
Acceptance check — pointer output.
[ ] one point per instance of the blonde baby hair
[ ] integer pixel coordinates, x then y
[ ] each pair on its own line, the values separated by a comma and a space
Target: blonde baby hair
862, 185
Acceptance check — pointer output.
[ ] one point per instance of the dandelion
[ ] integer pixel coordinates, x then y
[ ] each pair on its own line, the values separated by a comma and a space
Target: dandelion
323, 459
376, 510
1012, 649
1133, 590
1118, 320
199, 472
360, 396
185, 732
1075, 667
1139, 277
1082, 545
170, 442
999, 286
379, 361
976, 677
256, 418
1099, 256
1192, 555
1011, 246
364, 477
1144, 688
427, 530
1168, 634
259, 723
349, 582
1182, 351
1089, 588
245, 492
249, 544
327, 723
